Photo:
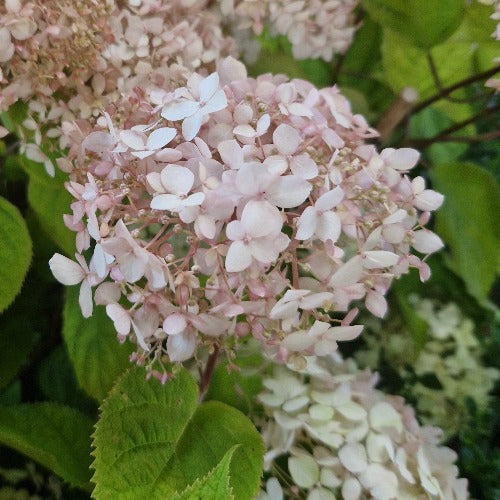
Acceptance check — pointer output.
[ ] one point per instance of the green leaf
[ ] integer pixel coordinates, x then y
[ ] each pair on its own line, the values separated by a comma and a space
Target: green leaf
97, 356
162, 426
215, 485
422, 22
15, 252
50, 200
468, 222
56, 436
237, 388
408, 66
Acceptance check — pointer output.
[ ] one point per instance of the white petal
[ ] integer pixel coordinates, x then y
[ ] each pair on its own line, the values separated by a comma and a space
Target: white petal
238, 257
177, 110
353, 457
403, 158
429, 200
181, 347
304, 166
384, 416
328, 227
231, 153
193, 200
208, 87
351, 489
65, 270
216, 103
120, 318
288, 191
348, 274
85, 299
378, 259
191, 126
306, 225
160, 137
304, 471
330, 199
426, 241
375, 302
166, 202
255, 213
345, 332
177, 180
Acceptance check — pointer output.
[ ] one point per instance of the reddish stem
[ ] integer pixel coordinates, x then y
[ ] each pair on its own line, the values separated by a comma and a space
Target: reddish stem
209, 371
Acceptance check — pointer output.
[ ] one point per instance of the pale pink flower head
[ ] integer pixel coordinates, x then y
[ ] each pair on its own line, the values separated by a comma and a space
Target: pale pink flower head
226, 213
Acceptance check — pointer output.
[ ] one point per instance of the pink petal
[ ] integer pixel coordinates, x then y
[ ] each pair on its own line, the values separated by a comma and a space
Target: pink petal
403, 158
231, 153
98, 142
304, 166
348, 274
428, 200
375, 302
174, 324
120, 318
193, 200
132, 139
65, 270
286, 139
85, 299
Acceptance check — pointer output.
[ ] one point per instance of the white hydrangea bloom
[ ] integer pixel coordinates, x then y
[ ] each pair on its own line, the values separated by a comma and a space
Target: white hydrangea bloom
344, 439
451, 353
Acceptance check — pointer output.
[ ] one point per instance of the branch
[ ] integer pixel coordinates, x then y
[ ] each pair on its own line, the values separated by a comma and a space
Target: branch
462, 83
209, 371
423, 143
397, 111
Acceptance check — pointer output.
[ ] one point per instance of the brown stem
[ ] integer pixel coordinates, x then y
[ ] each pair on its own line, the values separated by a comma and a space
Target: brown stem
209, 371
396, 112
448, 90
423, 143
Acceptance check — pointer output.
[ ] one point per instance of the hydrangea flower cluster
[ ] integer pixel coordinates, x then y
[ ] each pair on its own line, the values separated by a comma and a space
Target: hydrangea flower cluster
315, 28
236, 206
72, 59
452, 354
344, 439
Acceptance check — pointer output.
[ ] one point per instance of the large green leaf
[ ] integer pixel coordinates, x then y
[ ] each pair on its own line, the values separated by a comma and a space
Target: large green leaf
50, 200
153, 440
469, 223
215, 485
97, 356
407, 66
422, 22
56, 436
15, 252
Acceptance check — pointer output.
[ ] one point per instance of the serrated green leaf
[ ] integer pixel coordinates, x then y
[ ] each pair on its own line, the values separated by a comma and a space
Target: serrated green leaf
97, 356
56, 436
408, 66
468, 222
214, 486
422, 22
15, 252
153, 440
49, 200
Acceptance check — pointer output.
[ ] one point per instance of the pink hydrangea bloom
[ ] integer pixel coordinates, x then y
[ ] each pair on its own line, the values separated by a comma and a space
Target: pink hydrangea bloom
315, 28
255, 219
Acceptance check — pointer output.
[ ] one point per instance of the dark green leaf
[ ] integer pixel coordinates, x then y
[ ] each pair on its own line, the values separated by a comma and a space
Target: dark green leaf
422, 22
469, 223
15, 252
97, 356
56, 436
215, 485
162, 426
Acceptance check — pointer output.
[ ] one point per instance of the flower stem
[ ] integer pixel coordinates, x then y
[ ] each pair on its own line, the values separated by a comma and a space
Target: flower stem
209, 371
